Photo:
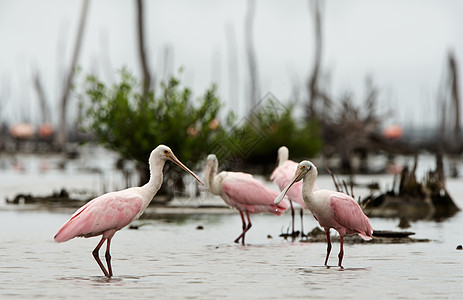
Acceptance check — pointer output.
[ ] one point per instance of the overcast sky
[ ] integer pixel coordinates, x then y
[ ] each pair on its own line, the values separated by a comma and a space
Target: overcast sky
403, 44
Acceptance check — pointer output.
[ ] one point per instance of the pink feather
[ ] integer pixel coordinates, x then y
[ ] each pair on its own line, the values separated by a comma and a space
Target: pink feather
107, 213
350, 216
249, 194
283, 175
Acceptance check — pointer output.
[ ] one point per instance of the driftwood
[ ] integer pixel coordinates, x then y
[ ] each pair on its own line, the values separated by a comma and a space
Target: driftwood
61, 198
413, 199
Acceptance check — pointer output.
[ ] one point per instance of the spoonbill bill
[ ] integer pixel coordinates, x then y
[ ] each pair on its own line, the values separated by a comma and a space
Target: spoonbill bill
108, 213
242, 192
331, 209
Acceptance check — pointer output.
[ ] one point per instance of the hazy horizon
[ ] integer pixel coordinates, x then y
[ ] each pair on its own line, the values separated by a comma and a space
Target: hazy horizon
403, 45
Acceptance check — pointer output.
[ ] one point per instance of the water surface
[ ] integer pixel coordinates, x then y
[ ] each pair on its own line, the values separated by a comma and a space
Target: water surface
169, 258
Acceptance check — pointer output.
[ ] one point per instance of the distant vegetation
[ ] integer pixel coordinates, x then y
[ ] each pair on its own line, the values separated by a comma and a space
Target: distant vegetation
272, 130
125, 121
132, 125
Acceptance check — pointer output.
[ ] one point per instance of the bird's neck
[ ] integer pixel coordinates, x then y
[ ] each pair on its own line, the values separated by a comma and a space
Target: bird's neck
307, 187
213, 181
282, 159
154, 184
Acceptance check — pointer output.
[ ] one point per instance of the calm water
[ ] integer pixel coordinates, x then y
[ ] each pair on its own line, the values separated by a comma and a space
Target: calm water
169, 258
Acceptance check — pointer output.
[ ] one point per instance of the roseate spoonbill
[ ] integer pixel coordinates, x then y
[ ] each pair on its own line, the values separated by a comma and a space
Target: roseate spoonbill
242, 192
331, 209
282, 176
111, 212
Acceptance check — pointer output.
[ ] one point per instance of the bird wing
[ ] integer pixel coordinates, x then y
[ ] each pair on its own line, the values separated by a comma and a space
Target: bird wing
285, 170
241, 175
109, 211
248, 193
348, 214
282, 176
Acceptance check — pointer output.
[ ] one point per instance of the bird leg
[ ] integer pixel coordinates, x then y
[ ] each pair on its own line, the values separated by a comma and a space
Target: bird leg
292, 219
245, 228
341, 253
328, 248
248, 227
108, 257
302, 223
97, 258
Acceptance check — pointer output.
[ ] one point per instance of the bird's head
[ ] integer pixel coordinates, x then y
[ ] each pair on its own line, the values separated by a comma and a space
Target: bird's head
164, 153
304, 168
212, 164
211, 161
283, 155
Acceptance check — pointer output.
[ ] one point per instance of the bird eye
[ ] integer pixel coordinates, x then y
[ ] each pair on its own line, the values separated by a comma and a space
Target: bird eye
303, 167
166, 152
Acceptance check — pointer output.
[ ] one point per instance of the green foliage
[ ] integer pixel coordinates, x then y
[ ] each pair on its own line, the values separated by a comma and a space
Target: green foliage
267, 130
124, 121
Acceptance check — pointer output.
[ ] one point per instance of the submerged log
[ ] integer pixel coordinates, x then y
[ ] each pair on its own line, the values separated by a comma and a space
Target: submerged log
65, 199
392, 234
61, 198
379, 237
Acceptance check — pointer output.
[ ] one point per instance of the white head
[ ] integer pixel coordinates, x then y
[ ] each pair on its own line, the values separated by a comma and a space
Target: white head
212, 164
283, 155
305, 170
163, 153
212, 161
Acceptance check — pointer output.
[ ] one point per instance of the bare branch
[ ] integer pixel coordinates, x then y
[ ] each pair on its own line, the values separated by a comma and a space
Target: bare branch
334, 180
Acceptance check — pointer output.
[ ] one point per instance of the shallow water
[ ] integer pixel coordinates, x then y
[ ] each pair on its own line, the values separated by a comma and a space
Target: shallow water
169, 258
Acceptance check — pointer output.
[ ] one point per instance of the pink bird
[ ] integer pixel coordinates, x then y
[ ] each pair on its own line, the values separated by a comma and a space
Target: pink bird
111, 212
331, 209
242, 192
282, 176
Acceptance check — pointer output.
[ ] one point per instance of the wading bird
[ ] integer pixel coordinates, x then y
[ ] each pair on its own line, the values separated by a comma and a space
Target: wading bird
331, 209
242, 192
111, 212
282, 176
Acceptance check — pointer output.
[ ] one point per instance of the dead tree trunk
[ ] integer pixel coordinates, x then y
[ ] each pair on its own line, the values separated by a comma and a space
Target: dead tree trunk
61, 136
142, 49
252, 63
168, 63
233, 78
312, 83
455, 95
42, 98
